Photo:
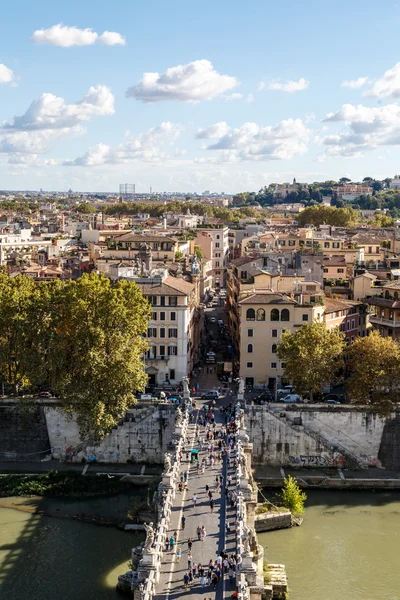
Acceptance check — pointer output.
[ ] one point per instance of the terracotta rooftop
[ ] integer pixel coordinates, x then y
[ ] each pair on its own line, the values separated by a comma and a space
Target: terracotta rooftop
332, 305
267, 299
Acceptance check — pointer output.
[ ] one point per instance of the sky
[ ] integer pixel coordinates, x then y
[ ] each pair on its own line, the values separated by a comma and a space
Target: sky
226, 96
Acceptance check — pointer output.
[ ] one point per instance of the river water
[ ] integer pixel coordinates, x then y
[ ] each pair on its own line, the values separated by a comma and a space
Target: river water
348, 547
48, 558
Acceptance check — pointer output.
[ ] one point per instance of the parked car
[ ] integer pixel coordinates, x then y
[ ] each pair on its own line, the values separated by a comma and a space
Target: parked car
212, 395
221, 323
282, 392
332, 401
292, 399
213, 320
45, 395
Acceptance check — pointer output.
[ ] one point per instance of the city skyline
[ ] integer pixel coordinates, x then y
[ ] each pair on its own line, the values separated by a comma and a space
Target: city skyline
177, 100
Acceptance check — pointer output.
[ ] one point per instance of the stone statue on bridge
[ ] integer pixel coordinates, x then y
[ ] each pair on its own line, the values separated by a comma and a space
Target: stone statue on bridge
178, 415
241, 386
186, 391
149, 537
246, 538
167, 463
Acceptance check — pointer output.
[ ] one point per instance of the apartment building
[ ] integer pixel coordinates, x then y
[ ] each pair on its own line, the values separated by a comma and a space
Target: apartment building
214, 244
350, 316
174, 332
263, 317
385, 310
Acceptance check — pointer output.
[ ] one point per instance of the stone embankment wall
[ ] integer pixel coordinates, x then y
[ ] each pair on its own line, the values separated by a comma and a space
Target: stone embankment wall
142, 437
328, 437
272, 521
23, 432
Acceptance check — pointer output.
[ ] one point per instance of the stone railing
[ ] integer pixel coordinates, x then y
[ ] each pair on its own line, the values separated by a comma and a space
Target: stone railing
143, 580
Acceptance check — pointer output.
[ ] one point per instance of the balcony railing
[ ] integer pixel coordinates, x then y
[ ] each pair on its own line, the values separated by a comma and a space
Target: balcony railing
382, 321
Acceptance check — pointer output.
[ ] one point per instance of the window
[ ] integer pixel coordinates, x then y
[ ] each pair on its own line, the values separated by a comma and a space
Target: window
353, 323
273, 348
217, 244
335, 244
348, 325
249, 348
326, 244
162, 351
243, 274
260, 314
152, 332
377, 249
312, 299
273, 365
292, 242
274, 333
152, 300
173, 316
249, 365
151, 352
162, 316
162, 300
162, 332
305, 317
274, 314
173, 300
217, 263
217, 236
387, 295
396, 296
285, 315
250, 332
340, 270
369, 249
154, 316
326, 270
250, 314
283, 365
172, 332
172, 351
172, 373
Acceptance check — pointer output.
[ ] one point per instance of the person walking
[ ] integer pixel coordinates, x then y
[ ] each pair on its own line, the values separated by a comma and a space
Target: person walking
167, 543
178, 554
203, 533
186, 580
198, 531
212, 505
190, 543
202, 582
230, 575
194, 500
171, 542
214, 580
183, 521
190, 560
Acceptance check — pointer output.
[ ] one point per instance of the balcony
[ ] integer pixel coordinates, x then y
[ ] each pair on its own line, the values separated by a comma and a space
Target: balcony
375, 320
154, 359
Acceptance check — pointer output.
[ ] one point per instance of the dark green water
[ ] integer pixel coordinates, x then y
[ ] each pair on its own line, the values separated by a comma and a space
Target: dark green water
348, 547
46, 558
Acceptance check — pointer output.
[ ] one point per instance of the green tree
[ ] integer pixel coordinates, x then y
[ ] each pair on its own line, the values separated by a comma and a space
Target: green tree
198, 252
95, 347
312, 356
374, 366
178, 255
17, 308
292, 496
85, 208
319, 215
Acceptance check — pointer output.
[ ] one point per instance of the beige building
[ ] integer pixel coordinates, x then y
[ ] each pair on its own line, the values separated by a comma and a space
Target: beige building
263, 317
214, 244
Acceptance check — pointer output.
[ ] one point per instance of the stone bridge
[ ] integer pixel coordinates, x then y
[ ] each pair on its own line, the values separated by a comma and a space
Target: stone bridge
157, 569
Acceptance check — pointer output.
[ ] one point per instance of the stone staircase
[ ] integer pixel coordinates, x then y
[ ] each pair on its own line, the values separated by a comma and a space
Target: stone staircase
352, 460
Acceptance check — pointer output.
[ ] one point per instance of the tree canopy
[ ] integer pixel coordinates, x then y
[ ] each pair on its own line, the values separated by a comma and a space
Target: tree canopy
82, 339
312, 356
319, 215
374, 366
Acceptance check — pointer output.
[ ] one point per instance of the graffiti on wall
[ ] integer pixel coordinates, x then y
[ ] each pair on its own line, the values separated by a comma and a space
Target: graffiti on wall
318, 460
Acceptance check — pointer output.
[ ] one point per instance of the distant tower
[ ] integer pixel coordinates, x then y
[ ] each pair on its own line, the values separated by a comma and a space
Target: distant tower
151, 190
145, 256
127, 190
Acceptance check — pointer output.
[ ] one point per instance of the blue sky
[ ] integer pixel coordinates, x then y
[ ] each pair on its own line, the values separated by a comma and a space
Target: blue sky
246, 93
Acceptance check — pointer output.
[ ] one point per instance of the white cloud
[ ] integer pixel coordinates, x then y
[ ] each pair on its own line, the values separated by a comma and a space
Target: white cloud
367, 128
195, 81
261, 86
387, 86
215, 131
233, 96
52, 112
64, 36
289, 86
49, 118
253, 142
112, 38
250, 98
145, 147
6, 75
354, 84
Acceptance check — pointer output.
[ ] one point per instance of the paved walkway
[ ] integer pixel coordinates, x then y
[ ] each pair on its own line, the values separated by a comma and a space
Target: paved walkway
171, 582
